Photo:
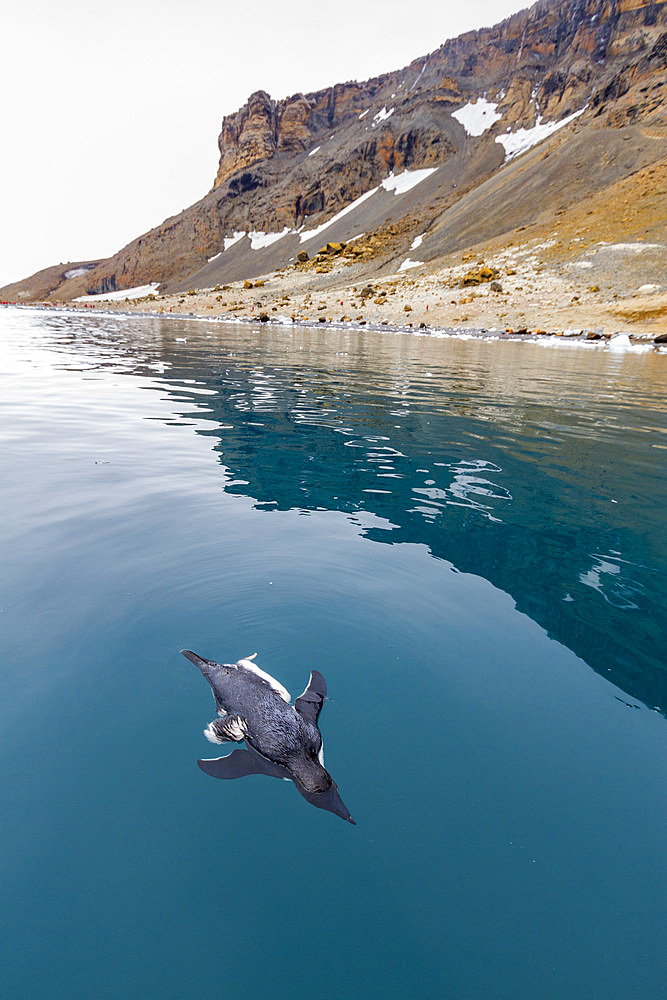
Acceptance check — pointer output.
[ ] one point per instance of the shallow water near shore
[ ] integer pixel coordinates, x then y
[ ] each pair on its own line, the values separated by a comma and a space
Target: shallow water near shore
466, 538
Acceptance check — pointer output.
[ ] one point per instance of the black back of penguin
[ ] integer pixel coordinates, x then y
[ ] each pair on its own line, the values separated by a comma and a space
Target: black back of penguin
281, 740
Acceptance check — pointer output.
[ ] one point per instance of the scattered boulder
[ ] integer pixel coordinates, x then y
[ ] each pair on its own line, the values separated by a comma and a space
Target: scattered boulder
247, 284
263, 317
478, 277
302, 256
495, 286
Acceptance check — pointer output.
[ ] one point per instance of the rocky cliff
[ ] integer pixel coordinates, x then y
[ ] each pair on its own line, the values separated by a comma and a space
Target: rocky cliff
309, 155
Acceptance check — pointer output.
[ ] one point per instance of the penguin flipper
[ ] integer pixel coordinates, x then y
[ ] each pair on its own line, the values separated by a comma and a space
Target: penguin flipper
309, 704
239, 763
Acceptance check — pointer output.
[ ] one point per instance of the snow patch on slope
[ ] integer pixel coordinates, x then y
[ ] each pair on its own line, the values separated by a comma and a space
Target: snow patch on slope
310, 234
139, 292
477, 118
259, 240
382, 116
515, 143
400, 183
76, 272
229, 241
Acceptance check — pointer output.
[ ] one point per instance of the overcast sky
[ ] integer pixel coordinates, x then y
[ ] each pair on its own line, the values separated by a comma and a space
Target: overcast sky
111, 111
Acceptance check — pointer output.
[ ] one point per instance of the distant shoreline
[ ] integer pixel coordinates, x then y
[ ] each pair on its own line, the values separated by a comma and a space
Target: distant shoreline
523, 290
622, 339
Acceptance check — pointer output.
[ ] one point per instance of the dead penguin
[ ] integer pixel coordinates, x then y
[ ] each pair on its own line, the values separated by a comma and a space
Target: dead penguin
282, 740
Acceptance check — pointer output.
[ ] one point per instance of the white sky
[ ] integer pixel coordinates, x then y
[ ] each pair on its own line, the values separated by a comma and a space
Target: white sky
111, 111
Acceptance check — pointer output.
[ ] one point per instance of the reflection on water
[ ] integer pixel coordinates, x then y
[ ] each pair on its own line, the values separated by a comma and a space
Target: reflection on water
537, 468
418, 520
465, 489
607, 577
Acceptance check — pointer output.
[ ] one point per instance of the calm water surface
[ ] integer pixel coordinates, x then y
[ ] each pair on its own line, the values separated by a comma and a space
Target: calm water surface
466, 538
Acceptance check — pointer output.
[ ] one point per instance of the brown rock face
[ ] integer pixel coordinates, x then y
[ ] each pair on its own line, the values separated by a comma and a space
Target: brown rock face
547, 60
293, 134
264, 127
448, 92
608, 57
247, 136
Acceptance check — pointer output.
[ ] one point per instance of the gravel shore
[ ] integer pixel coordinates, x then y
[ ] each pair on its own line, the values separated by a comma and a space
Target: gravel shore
530, 287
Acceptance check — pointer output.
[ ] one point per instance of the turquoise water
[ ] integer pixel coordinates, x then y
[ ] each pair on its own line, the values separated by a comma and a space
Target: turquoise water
466, 538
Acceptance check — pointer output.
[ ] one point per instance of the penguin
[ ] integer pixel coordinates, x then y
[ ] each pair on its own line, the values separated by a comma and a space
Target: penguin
281, 740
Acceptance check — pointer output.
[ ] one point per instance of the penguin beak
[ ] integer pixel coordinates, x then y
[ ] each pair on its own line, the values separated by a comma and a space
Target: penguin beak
330, 800
207, 667
198, 661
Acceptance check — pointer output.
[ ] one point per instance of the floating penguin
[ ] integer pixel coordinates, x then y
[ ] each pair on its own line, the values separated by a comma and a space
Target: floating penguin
282, 740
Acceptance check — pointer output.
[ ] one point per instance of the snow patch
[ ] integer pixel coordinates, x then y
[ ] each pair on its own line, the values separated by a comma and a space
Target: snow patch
310, 234
407, 264
477, 118
633, 247
229, 241
76, 272
364, 113
421, 73
215, 256
313, 151
417, 242
260, 240
139, 292
400, 183
382, 116
524, 139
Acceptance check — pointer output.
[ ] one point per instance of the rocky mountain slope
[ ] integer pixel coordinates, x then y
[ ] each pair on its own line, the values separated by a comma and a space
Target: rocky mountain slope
493, 131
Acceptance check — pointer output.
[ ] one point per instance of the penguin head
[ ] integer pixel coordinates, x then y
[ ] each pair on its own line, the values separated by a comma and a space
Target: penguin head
318, 787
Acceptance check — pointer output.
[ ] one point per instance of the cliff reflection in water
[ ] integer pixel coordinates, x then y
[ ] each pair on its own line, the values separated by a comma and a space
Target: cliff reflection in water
536, 468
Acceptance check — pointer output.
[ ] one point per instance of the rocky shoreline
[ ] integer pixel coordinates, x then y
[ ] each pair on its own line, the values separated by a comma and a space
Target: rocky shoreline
520, 290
